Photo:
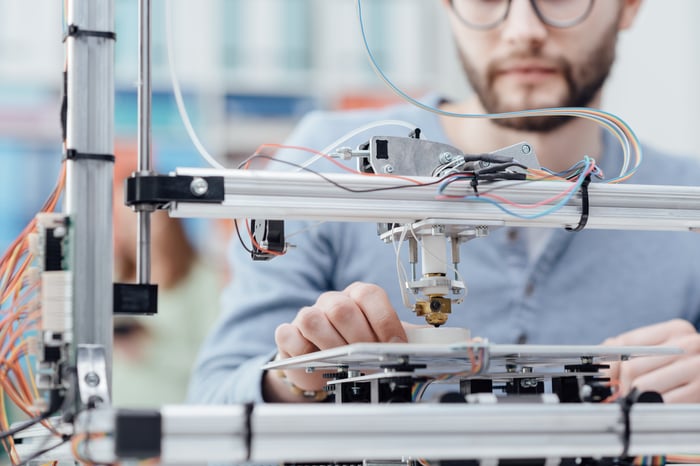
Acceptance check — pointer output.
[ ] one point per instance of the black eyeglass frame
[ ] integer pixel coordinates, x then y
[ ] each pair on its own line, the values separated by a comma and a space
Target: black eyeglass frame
538, 12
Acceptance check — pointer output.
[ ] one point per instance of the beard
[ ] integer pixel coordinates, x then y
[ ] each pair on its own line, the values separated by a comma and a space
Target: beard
583, 82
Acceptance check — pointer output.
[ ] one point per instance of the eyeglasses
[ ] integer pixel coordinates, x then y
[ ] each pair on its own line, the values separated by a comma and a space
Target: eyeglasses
487, 14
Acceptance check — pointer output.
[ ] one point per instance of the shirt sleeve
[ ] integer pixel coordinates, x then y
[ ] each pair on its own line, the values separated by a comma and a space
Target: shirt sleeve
261, 296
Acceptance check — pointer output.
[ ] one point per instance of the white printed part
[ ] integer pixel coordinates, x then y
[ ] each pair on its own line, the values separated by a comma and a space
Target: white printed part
434, 254
432, 335
56, 299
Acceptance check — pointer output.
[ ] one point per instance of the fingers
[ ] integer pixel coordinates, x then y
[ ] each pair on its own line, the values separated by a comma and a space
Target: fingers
347, 317
375, 306
656, 334
290, 342
360, 313
675, 377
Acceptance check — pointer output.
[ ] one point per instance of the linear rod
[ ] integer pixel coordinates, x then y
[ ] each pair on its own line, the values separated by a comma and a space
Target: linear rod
145, 160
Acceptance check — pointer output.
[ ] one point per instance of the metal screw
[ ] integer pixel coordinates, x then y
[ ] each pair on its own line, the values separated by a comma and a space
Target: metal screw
92, 379
199, 186
446, 157
526, 149
388, 169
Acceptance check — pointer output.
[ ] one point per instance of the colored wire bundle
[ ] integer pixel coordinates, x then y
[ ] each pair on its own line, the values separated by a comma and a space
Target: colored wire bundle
583, 169
631, 147
476, 365
20, 317
575, 176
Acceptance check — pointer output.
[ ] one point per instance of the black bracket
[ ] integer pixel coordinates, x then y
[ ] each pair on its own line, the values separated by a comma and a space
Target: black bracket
160, 190
135, 299
138, 434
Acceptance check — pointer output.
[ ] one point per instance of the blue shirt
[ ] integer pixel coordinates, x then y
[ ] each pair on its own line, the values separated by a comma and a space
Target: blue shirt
583, 287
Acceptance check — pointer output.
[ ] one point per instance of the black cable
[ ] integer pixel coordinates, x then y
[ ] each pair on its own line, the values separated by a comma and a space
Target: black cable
345, 188
25, 425
240, 238
490, 158
585, 205
248, 433
56, 401
626, 404
25, 462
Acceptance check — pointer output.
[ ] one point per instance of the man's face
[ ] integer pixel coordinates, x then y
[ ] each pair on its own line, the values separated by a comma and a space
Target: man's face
524, 64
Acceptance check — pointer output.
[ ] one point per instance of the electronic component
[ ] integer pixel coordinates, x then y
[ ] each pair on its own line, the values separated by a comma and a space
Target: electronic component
268, 239
51, 246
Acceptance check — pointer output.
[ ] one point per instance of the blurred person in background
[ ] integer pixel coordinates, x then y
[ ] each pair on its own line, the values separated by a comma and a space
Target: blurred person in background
526, 285
153, 355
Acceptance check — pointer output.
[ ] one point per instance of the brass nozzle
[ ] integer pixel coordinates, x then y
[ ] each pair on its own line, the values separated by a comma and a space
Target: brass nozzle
435, 311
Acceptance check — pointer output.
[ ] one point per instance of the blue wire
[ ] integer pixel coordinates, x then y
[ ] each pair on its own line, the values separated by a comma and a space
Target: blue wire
571, 111
587, 165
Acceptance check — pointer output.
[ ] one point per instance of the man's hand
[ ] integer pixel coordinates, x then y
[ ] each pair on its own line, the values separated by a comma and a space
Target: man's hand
360, 313
676, 378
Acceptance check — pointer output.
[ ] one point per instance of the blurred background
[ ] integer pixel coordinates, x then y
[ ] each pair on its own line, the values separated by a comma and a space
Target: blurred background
249, 69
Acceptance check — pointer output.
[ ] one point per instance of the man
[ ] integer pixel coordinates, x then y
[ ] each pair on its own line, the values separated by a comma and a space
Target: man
525, 285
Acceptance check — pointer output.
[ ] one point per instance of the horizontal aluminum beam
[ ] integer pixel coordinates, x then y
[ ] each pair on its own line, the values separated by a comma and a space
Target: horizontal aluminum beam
287, 196
326, 433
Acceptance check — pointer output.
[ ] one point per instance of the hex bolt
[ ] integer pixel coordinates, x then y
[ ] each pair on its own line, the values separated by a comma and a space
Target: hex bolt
388, 169
199, 186
526, 149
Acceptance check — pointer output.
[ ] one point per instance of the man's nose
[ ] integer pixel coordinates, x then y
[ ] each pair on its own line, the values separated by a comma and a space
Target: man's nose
523, 26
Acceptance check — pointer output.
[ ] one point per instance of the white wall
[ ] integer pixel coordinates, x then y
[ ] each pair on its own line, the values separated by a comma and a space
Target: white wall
656, 84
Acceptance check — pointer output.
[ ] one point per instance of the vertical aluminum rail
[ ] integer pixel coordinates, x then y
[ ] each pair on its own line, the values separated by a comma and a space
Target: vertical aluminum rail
143, 240
88, 201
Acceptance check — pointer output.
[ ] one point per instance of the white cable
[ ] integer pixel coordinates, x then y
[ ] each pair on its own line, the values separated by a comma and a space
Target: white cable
352, 134
401, 271
177, 92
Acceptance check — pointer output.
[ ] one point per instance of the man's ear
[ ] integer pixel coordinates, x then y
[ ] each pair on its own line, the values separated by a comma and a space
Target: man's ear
630, 8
